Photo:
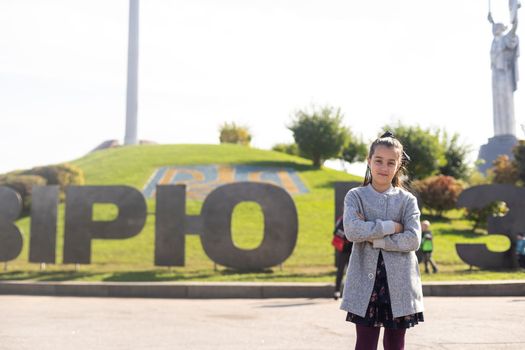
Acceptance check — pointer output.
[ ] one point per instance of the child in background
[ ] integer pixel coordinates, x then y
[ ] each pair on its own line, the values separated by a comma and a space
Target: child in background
342, 256
427, 246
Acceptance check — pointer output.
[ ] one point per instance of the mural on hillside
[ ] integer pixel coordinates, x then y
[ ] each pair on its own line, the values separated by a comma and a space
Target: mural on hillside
200, 180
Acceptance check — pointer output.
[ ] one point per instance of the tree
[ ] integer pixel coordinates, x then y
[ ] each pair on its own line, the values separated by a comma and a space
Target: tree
355, 149
319, 133
423, 147
455, 157
519, 160
503, 171
233, 133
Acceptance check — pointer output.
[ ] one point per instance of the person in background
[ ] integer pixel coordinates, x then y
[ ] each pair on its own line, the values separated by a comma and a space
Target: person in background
342, 255
427, 246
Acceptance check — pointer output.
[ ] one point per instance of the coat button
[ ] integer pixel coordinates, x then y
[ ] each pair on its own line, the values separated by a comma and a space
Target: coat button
370, 275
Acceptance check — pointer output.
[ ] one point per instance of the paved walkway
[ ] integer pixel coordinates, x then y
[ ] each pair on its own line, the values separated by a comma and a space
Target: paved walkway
35, 322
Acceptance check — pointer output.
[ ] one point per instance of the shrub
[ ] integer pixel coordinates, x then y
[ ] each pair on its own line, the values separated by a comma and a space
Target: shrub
62, 175
23, 184
439, 193
288, 148
233, 133
480, 215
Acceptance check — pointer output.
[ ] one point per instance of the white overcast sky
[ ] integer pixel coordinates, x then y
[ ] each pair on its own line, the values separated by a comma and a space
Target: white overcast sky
255, 62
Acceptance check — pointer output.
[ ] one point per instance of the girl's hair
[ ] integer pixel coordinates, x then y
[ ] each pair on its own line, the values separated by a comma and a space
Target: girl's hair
388, 140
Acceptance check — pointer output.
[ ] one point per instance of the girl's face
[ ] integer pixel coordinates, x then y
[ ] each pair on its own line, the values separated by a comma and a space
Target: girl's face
384, 164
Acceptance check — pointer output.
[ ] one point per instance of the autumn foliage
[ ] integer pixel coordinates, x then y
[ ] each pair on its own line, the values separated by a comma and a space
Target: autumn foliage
439, 193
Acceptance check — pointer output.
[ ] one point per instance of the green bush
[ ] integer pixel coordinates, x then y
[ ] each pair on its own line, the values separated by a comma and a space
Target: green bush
233, 133
439, 193
61, 174
480, 215
288, 148
23, 184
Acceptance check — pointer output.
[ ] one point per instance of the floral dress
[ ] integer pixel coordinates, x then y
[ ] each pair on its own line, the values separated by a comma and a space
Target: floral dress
379, 312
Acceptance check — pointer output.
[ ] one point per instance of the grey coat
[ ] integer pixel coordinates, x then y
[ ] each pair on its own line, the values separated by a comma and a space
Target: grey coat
380, 211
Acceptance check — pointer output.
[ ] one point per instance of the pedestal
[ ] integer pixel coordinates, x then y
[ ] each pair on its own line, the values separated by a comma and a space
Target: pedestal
497, 145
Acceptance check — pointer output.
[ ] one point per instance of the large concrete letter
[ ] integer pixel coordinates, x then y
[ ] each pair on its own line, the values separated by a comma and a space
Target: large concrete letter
170, 228
509, 225
80, 227
42, 245
10, 236
280, 225
341, 189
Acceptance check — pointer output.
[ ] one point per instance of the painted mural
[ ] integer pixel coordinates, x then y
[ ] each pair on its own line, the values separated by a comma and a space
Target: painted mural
200, 180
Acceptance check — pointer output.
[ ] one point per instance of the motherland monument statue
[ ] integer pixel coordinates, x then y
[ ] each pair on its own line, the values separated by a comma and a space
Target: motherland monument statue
504, 55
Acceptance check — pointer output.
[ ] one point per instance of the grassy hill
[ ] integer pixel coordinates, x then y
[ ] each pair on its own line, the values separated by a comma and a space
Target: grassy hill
312, 260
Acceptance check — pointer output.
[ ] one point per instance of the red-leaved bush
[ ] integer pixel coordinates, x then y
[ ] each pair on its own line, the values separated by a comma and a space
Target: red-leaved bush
439, 193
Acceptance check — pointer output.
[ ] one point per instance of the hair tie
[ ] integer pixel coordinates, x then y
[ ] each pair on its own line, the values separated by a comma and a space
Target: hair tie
405, 158
387, 134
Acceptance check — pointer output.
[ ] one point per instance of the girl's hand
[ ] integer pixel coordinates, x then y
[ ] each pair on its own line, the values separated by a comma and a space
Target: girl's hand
362, 217
399, 227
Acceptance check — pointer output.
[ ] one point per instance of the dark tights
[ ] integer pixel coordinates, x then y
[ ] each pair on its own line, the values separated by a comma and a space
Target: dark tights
367, 338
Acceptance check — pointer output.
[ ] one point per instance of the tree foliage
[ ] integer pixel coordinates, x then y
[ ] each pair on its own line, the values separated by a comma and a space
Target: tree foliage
519, 160
233, 133
503, 171
423, 146
480, 215
355, 149
455, 157
319, 133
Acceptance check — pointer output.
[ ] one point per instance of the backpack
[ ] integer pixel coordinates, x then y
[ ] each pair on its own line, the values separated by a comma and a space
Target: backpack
339, 240
426, 243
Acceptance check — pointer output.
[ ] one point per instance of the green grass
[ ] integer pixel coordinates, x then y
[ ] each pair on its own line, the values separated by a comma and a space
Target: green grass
312, 260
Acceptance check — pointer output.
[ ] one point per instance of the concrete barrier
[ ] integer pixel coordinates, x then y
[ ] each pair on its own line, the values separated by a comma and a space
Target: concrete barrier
213, 290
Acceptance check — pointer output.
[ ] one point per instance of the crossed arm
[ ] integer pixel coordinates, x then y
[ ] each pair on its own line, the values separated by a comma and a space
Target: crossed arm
385, 234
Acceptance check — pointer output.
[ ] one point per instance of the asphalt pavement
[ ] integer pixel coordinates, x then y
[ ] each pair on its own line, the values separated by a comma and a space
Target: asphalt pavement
43, 322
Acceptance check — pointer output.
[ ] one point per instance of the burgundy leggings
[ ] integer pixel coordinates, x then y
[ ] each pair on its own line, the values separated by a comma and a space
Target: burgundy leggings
367, 338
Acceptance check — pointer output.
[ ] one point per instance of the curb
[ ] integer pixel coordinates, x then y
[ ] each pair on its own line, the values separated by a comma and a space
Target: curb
244, 290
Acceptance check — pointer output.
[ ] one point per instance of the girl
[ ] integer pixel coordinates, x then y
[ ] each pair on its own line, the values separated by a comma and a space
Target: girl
383, 286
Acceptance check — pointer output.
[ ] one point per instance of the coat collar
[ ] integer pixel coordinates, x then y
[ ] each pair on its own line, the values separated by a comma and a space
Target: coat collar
390, 191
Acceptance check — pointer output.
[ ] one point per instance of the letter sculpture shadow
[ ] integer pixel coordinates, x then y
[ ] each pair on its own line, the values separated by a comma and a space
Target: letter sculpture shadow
509, 225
